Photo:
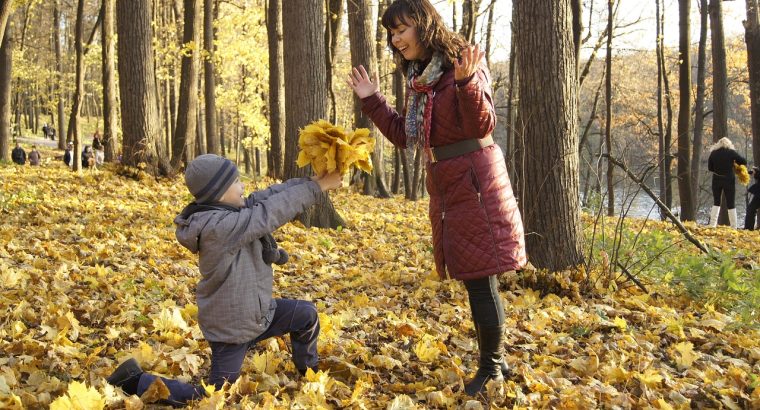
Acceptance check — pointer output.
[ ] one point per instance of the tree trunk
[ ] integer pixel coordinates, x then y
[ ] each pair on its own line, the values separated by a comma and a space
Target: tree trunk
5, 13
6, 62
142, 143
684, 111
212, 137
489, 33
334, 15
305, 92
662, 147
469, 19
668, 126
699, 102
187, 110
752, 38
720, 84
546, 56
109, 81
276, 90
363, 52
720, 76
608, 113
61, 134
79, 90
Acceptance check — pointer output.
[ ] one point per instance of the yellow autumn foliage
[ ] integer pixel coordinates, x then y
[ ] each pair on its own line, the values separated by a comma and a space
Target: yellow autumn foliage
95, 276
330, 148
741, 173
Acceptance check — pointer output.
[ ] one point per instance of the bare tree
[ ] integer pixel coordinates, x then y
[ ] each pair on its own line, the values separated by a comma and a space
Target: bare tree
608, 113
184, 132
334, 9
73, 130
549, 120
720, 85
699, 101
59, 73
688, 205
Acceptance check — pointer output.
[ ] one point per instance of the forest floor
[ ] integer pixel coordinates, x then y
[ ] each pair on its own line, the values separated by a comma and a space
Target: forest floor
90, 274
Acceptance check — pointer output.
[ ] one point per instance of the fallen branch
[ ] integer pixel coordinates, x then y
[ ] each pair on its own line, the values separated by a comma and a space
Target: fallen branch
665, 210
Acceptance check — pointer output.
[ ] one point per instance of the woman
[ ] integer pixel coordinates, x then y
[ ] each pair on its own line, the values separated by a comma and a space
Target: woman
477, 228
721, 165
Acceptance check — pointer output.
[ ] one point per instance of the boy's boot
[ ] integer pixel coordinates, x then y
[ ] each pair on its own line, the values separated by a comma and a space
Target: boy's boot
126, 376
505, 370
490, 340
714, 216
732, 217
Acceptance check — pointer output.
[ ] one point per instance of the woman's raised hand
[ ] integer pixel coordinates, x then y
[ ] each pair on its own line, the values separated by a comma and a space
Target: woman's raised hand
466, 65
359, 81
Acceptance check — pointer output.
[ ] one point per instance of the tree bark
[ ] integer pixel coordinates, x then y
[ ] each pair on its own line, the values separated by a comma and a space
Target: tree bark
79, 90
608, 113
752, 38
212, 137
110, 119
61, 135
699, 101
6, 62
684, 111
720, 76
305, 92
187, 115
332, 28
5, 13
363, 53
276, 90
546, 56
662, 147
143, 146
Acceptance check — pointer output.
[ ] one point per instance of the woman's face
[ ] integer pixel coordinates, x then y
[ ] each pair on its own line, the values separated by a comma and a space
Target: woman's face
406, 41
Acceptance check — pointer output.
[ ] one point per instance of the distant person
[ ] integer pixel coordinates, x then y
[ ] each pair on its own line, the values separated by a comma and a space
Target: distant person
754, 203
721, 165
88, 160
45, 131
97, 146
51, 131
34, 156
18, 155
68, 156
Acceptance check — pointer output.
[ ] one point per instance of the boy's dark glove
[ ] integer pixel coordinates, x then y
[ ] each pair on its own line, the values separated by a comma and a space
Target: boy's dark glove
270, 252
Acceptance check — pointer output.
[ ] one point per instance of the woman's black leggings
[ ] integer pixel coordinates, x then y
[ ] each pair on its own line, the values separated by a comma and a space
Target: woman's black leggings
485, 302
725, 186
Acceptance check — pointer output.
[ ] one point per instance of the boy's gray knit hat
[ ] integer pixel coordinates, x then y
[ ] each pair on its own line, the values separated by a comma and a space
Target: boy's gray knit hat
208, 177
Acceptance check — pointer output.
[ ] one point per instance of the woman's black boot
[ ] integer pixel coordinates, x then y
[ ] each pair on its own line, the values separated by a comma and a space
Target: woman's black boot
490, 340
505, 370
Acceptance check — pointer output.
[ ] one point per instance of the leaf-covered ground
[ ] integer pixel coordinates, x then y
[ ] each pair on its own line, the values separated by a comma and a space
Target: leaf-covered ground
90, 274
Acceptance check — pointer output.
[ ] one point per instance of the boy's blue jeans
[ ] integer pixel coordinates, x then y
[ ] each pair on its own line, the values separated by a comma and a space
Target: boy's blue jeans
296, 317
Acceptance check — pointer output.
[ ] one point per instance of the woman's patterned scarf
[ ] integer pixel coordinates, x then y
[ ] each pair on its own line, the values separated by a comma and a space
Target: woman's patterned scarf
419, 109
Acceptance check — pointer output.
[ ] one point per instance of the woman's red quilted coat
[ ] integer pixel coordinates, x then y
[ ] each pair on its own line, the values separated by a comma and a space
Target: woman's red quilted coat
477, 228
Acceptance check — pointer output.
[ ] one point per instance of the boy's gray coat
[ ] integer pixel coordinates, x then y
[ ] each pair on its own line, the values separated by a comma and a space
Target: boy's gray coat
234, 295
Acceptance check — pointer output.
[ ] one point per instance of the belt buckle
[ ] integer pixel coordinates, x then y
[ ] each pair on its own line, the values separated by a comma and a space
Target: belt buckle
430, 155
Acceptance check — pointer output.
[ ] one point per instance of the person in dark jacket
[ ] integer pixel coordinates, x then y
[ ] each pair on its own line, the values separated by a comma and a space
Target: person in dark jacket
449, 114
721, 164
18, 155
754, 203
88, 160
68, 156
232, 236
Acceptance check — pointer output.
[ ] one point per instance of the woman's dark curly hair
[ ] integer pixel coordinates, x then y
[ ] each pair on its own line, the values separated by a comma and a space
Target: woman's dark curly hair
432, 32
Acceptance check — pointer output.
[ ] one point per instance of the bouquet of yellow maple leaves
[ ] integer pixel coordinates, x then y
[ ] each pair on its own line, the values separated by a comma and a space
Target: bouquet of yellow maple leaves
741, 173
329, 148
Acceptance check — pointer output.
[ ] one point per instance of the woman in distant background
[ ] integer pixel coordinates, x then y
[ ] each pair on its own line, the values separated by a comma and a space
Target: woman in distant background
721, 165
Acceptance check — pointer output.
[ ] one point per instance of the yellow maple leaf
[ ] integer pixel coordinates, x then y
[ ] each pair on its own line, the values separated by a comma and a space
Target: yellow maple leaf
620, 323
329, 148
650, 377
686, 355
426, 349
79, 397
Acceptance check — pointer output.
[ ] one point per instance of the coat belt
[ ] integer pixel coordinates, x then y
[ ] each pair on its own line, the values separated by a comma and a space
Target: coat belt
456, 149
